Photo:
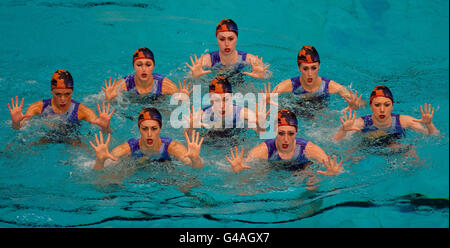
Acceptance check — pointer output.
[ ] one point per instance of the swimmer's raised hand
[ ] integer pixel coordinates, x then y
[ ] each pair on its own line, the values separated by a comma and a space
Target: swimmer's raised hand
427, 114
104, 117
354, 102
101, 151
332, 167
194, 145
110, 89
258, 68
427, 119
16, 112
237, 161
183, 91
348, 121
197, 67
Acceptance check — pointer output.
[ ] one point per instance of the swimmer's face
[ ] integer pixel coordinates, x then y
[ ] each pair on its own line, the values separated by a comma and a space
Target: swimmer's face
309, 72
143, 68
62, 97
285, 137
220, 102
381, 108
149, 130
227, 42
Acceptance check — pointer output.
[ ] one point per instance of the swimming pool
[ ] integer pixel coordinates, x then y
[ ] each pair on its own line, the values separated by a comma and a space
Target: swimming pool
401, 44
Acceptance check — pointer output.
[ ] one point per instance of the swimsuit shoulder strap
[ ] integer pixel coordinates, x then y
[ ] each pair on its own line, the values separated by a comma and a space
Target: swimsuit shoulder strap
158, 79
215, 58
271, 148
130, 82
46, 103
297, 86
242, 56
134, 145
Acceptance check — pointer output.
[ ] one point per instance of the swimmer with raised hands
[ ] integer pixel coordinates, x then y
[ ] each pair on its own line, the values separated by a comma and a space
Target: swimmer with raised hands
143, 81
150, 146
309, 86
227, 55
286, 147
60, 108
383, 127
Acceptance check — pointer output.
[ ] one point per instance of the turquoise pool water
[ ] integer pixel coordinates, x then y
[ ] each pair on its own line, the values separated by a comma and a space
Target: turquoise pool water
402, 44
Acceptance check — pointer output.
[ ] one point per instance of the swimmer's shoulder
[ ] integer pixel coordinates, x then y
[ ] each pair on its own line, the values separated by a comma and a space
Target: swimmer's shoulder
35, 108
407, 121
205, 59
168, 87
283, 86
121, 150
335, 87
259, 152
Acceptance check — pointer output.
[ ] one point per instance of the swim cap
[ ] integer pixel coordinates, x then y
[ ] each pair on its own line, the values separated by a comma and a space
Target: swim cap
308, 54
143, 53
227, 25
148, 114
62, 79
220, 85
381, 91
287, 118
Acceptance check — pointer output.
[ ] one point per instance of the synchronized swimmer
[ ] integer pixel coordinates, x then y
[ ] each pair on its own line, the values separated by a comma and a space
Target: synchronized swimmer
381, 128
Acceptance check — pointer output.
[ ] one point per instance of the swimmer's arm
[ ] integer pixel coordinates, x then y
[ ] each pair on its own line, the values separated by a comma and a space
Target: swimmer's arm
413, 124
180, 151
87, 114
284, 86
258, 68
205, 60
238, 163
342, 132
259, 152
32, 110
117, 152
315, 153
354, 102
168, 87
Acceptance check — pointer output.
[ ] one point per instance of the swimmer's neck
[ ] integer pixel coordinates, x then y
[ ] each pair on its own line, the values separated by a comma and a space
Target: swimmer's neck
146, 149
386, 123
228, 59
288, 153
142, 86
59, 110
311, 87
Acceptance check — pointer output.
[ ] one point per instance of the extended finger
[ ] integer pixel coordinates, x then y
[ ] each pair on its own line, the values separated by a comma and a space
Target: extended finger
186, 136
229, 160
93, 146
108, 139
112, 112
201, 142
10, 110
242, 153
96, 140
232, 154
17, 101
101, 137
189, 66
421, 110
